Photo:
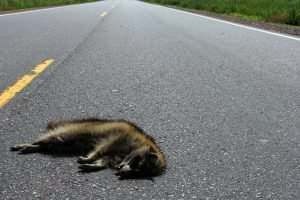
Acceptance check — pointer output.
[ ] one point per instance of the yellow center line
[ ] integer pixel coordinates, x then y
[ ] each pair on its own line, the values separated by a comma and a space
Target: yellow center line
21, 83
103, 14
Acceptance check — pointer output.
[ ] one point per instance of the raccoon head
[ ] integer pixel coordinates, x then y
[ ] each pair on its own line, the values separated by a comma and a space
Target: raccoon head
146, 164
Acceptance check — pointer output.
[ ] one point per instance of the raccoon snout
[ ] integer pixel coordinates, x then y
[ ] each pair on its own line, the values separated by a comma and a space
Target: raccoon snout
123, 170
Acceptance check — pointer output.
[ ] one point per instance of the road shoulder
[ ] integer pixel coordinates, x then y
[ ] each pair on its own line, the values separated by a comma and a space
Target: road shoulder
274, 27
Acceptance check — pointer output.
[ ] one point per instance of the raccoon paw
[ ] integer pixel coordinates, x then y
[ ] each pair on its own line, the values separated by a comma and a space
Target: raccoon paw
83, 160
97, 165
91, 167
16, 148
25, 148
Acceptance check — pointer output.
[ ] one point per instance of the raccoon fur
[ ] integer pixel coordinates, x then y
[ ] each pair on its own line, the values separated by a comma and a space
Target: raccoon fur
102, 143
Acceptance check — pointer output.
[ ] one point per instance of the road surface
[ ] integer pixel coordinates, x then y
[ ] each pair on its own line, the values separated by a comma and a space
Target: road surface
222, 100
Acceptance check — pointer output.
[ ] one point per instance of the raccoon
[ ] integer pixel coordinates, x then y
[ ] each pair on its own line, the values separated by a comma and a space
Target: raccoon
102, 143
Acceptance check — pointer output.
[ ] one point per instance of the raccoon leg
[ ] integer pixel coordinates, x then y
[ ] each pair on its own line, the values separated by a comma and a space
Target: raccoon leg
95, 154
45, 142
96, 165
26, 148
100, 149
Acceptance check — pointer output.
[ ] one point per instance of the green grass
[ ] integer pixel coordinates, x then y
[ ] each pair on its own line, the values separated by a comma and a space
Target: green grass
23, 4
278, 11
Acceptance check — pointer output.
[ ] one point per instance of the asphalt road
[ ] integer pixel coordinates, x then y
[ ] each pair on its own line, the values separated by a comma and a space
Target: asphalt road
222, 101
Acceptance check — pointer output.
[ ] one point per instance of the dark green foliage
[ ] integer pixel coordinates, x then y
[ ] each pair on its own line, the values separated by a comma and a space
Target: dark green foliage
279, 11
22, 4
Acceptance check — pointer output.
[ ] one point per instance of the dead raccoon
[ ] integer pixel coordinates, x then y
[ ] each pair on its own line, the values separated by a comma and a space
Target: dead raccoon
117, 144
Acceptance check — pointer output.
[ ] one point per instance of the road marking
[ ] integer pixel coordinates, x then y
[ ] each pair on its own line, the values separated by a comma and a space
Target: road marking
233, 24
21, 83
103, 14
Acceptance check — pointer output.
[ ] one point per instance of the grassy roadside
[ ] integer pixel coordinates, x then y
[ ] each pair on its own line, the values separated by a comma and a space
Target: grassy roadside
7, 5
276, 11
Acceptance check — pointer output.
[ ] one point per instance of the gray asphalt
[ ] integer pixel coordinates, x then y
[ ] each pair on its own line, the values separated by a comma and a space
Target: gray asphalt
27, 39
222, 101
